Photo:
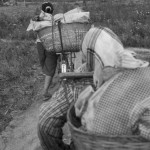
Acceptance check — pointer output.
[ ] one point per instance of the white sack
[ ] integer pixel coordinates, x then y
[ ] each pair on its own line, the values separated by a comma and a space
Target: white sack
75, 15
35, 26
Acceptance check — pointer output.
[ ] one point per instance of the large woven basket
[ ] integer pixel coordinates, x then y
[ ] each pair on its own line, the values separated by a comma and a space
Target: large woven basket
84, 140
72, 35
142, 53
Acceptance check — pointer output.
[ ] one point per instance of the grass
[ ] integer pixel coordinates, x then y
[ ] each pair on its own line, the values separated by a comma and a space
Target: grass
130, 22
18, 55
18, 85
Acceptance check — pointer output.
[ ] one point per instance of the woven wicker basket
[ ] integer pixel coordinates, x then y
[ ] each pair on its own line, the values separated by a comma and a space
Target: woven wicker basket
84, 140
142, 53
72, 35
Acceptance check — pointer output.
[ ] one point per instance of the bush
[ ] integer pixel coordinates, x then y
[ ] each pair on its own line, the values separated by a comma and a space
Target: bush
15, 27
130, 22
7, 25
16, 59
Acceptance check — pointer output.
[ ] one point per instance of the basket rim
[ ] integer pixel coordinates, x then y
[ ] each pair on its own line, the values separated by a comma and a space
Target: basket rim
93, 135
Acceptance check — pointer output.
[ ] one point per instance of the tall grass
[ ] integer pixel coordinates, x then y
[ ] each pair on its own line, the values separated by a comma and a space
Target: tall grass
17, 58
17, 83
14, 27
130, 22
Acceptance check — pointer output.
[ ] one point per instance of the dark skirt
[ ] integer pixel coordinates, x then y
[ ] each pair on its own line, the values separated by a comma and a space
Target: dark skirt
48, 60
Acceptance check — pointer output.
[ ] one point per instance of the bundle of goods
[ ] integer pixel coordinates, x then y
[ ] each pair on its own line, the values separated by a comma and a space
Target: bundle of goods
72, 35
62, 31
116, 116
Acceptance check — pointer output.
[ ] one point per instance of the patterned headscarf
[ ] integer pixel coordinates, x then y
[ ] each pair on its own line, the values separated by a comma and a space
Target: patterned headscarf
102, 48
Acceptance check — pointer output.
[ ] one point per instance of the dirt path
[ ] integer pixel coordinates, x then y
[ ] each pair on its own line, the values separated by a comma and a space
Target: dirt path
21, 134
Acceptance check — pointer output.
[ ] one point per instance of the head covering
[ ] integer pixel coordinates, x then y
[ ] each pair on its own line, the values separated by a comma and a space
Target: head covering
107, 47
47, 7
104, 45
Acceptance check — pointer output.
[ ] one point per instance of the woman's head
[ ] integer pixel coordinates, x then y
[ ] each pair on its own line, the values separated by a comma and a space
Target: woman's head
47, 7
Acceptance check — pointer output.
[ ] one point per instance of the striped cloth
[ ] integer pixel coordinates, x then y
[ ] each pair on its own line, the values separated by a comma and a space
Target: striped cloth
90, 39
88, 47
104, 45
52, 115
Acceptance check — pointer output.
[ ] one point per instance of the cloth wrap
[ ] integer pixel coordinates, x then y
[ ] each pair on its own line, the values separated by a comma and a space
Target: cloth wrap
104, 45
121, 106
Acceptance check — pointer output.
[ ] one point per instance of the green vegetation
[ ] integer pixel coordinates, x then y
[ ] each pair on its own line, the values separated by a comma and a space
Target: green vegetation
19, 62
18, 85
18, 56
130, 22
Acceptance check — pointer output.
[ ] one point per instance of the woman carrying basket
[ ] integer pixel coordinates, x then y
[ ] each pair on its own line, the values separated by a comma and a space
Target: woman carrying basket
48, 60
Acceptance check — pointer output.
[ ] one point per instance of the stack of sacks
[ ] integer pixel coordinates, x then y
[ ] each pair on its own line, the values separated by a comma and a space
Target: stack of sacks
75, 15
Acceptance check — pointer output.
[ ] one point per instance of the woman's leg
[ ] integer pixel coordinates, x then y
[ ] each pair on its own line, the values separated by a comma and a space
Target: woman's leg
47, 83
41, 53
47, 139
49, 70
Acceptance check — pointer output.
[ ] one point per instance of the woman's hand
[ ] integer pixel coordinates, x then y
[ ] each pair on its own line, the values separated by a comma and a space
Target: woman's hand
36, 18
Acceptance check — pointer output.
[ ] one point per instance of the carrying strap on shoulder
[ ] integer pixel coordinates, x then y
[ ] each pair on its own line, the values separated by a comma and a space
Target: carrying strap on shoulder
60, 35
53, 34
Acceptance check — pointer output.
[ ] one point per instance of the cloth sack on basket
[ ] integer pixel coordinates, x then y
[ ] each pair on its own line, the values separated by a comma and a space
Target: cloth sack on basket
75, 15
102, 48
63, 31
121, 106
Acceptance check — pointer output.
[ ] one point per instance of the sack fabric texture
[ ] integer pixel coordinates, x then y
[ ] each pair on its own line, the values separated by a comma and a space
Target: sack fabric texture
121, 106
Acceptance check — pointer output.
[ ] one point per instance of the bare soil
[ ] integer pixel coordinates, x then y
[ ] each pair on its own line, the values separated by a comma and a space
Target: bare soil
21, 133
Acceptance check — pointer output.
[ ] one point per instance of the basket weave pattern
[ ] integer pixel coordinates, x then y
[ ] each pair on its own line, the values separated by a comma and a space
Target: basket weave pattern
72, 36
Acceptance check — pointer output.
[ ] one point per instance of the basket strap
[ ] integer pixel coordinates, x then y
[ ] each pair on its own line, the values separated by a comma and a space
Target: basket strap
91, 56
60, 35
67, 32
53, 34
